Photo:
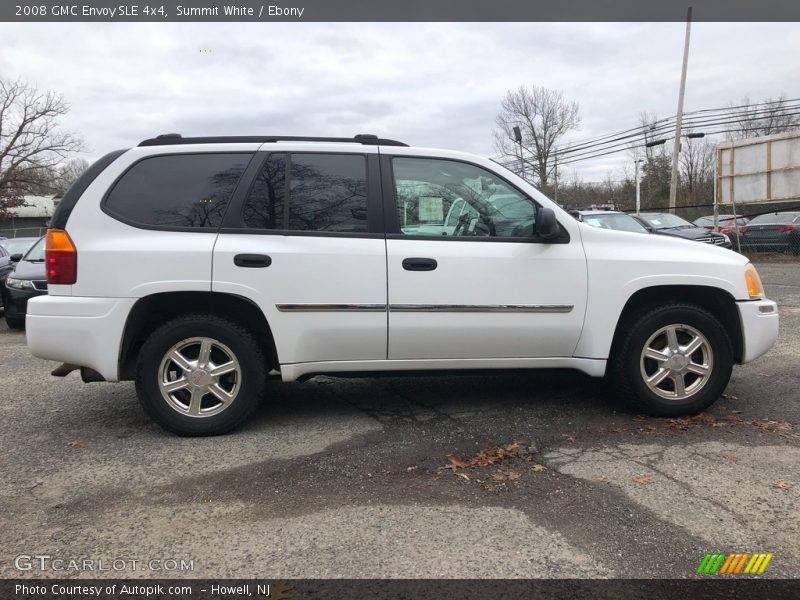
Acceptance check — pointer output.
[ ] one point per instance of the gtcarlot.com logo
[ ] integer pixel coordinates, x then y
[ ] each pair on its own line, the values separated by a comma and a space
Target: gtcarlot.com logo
734, 563
45, 562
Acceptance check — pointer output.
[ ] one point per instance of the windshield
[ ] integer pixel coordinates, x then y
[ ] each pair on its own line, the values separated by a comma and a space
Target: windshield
666, 221
36, 253
620, 222
17, 245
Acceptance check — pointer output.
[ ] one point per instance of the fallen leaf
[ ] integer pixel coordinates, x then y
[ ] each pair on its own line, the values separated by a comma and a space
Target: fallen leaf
772, 426
75, 444
412, 468
457, 461
640, 418
537, 468
782, 484
463, 476
568, 436
600, 478
730, 397
644, 479
506, 475
729, 457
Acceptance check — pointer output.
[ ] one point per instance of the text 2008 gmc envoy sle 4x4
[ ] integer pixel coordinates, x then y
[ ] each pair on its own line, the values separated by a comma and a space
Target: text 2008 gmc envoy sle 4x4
199, 266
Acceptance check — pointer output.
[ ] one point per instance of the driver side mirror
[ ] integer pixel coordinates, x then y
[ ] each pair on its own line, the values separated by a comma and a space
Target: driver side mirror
15, 257
547, 226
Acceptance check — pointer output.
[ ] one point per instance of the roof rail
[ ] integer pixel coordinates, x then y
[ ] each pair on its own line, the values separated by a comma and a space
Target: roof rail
168, 139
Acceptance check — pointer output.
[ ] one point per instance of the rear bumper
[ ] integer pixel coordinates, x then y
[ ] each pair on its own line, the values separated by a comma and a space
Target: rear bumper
82, 331
759, 327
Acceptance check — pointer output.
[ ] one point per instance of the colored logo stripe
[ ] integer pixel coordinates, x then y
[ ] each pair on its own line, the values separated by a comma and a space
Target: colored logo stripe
734, 563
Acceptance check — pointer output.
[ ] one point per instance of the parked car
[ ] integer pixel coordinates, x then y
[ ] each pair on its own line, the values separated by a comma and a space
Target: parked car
609, 219
6, 266
27, 280
331, 273
727, 223
675, 226
18, 246
776, 232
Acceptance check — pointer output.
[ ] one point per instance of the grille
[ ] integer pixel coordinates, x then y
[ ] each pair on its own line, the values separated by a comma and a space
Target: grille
717, 240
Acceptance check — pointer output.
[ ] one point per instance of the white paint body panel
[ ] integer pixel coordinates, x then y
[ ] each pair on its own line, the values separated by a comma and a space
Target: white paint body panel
486, 273
311, 270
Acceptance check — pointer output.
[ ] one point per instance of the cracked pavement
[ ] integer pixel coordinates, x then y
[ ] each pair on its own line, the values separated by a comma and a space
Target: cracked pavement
348, 478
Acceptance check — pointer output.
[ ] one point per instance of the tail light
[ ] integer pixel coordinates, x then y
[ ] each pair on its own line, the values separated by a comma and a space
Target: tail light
61, 258
742, 229
785, 228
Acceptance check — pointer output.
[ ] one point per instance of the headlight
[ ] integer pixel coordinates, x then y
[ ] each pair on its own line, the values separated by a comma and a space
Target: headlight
755, 288
19, 284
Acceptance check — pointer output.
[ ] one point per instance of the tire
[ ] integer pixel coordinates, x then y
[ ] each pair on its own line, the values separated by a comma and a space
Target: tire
193, 405
15, 322
651, 328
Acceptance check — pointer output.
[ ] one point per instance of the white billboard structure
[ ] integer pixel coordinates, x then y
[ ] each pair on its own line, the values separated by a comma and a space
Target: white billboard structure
755, 170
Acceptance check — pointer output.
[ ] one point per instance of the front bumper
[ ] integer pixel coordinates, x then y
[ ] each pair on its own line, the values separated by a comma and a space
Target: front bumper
81, 331
15, 301
759, 327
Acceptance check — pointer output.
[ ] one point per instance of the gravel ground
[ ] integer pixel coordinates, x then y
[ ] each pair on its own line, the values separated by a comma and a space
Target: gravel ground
346, 478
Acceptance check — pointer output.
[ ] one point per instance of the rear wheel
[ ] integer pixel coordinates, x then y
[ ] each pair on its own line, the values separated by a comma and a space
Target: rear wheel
673, 360
200, 374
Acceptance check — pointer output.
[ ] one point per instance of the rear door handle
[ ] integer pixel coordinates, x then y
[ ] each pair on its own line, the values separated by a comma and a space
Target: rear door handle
419, 264
252, 260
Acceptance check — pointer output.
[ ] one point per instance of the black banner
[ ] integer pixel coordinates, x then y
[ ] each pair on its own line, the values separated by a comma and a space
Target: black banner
398, 10
729, 588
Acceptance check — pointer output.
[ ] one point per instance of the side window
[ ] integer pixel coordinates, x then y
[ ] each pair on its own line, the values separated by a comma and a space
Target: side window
451, 198
264, 206
178, 190
327, 193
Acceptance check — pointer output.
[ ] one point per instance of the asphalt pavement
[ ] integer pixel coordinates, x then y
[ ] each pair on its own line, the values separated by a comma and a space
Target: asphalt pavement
540, 474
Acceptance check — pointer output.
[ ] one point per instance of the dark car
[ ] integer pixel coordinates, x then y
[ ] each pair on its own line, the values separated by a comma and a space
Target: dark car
776, 232
6, 266
28, 279
609, 219
669, 224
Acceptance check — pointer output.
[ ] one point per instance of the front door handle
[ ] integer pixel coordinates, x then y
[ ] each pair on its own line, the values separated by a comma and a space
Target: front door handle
419, 264
252, 260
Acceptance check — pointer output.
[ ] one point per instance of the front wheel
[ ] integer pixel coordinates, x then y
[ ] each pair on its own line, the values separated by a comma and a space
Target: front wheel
673, 360
200, 374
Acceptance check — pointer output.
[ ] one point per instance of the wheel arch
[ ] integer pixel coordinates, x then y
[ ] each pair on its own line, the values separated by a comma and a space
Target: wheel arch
151, 311
717, 301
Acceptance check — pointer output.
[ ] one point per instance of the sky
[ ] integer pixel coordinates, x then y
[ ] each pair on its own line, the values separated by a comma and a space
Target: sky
427, 84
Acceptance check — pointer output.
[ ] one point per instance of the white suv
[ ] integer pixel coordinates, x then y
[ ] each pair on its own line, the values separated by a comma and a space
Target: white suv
200, 267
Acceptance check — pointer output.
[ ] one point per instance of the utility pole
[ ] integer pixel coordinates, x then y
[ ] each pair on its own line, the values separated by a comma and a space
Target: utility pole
673, 183
555, 157
518, 139
638, 188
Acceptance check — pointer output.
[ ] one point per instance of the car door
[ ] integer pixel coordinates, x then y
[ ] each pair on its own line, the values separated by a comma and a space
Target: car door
487, 288
304, 241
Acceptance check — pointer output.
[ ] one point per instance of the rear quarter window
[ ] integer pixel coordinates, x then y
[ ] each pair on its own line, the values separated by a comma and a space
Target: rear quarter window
177, 191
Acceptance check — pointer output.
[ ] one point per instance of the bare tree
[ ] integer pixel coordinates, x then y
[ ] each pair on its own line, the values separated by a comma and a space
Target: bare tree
696, 169
764, 118
31, 142
543, 116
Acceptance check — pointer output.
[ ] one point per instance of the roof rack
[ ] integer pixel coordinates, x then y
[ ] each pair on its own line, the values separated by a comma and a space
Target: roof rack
168, 139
